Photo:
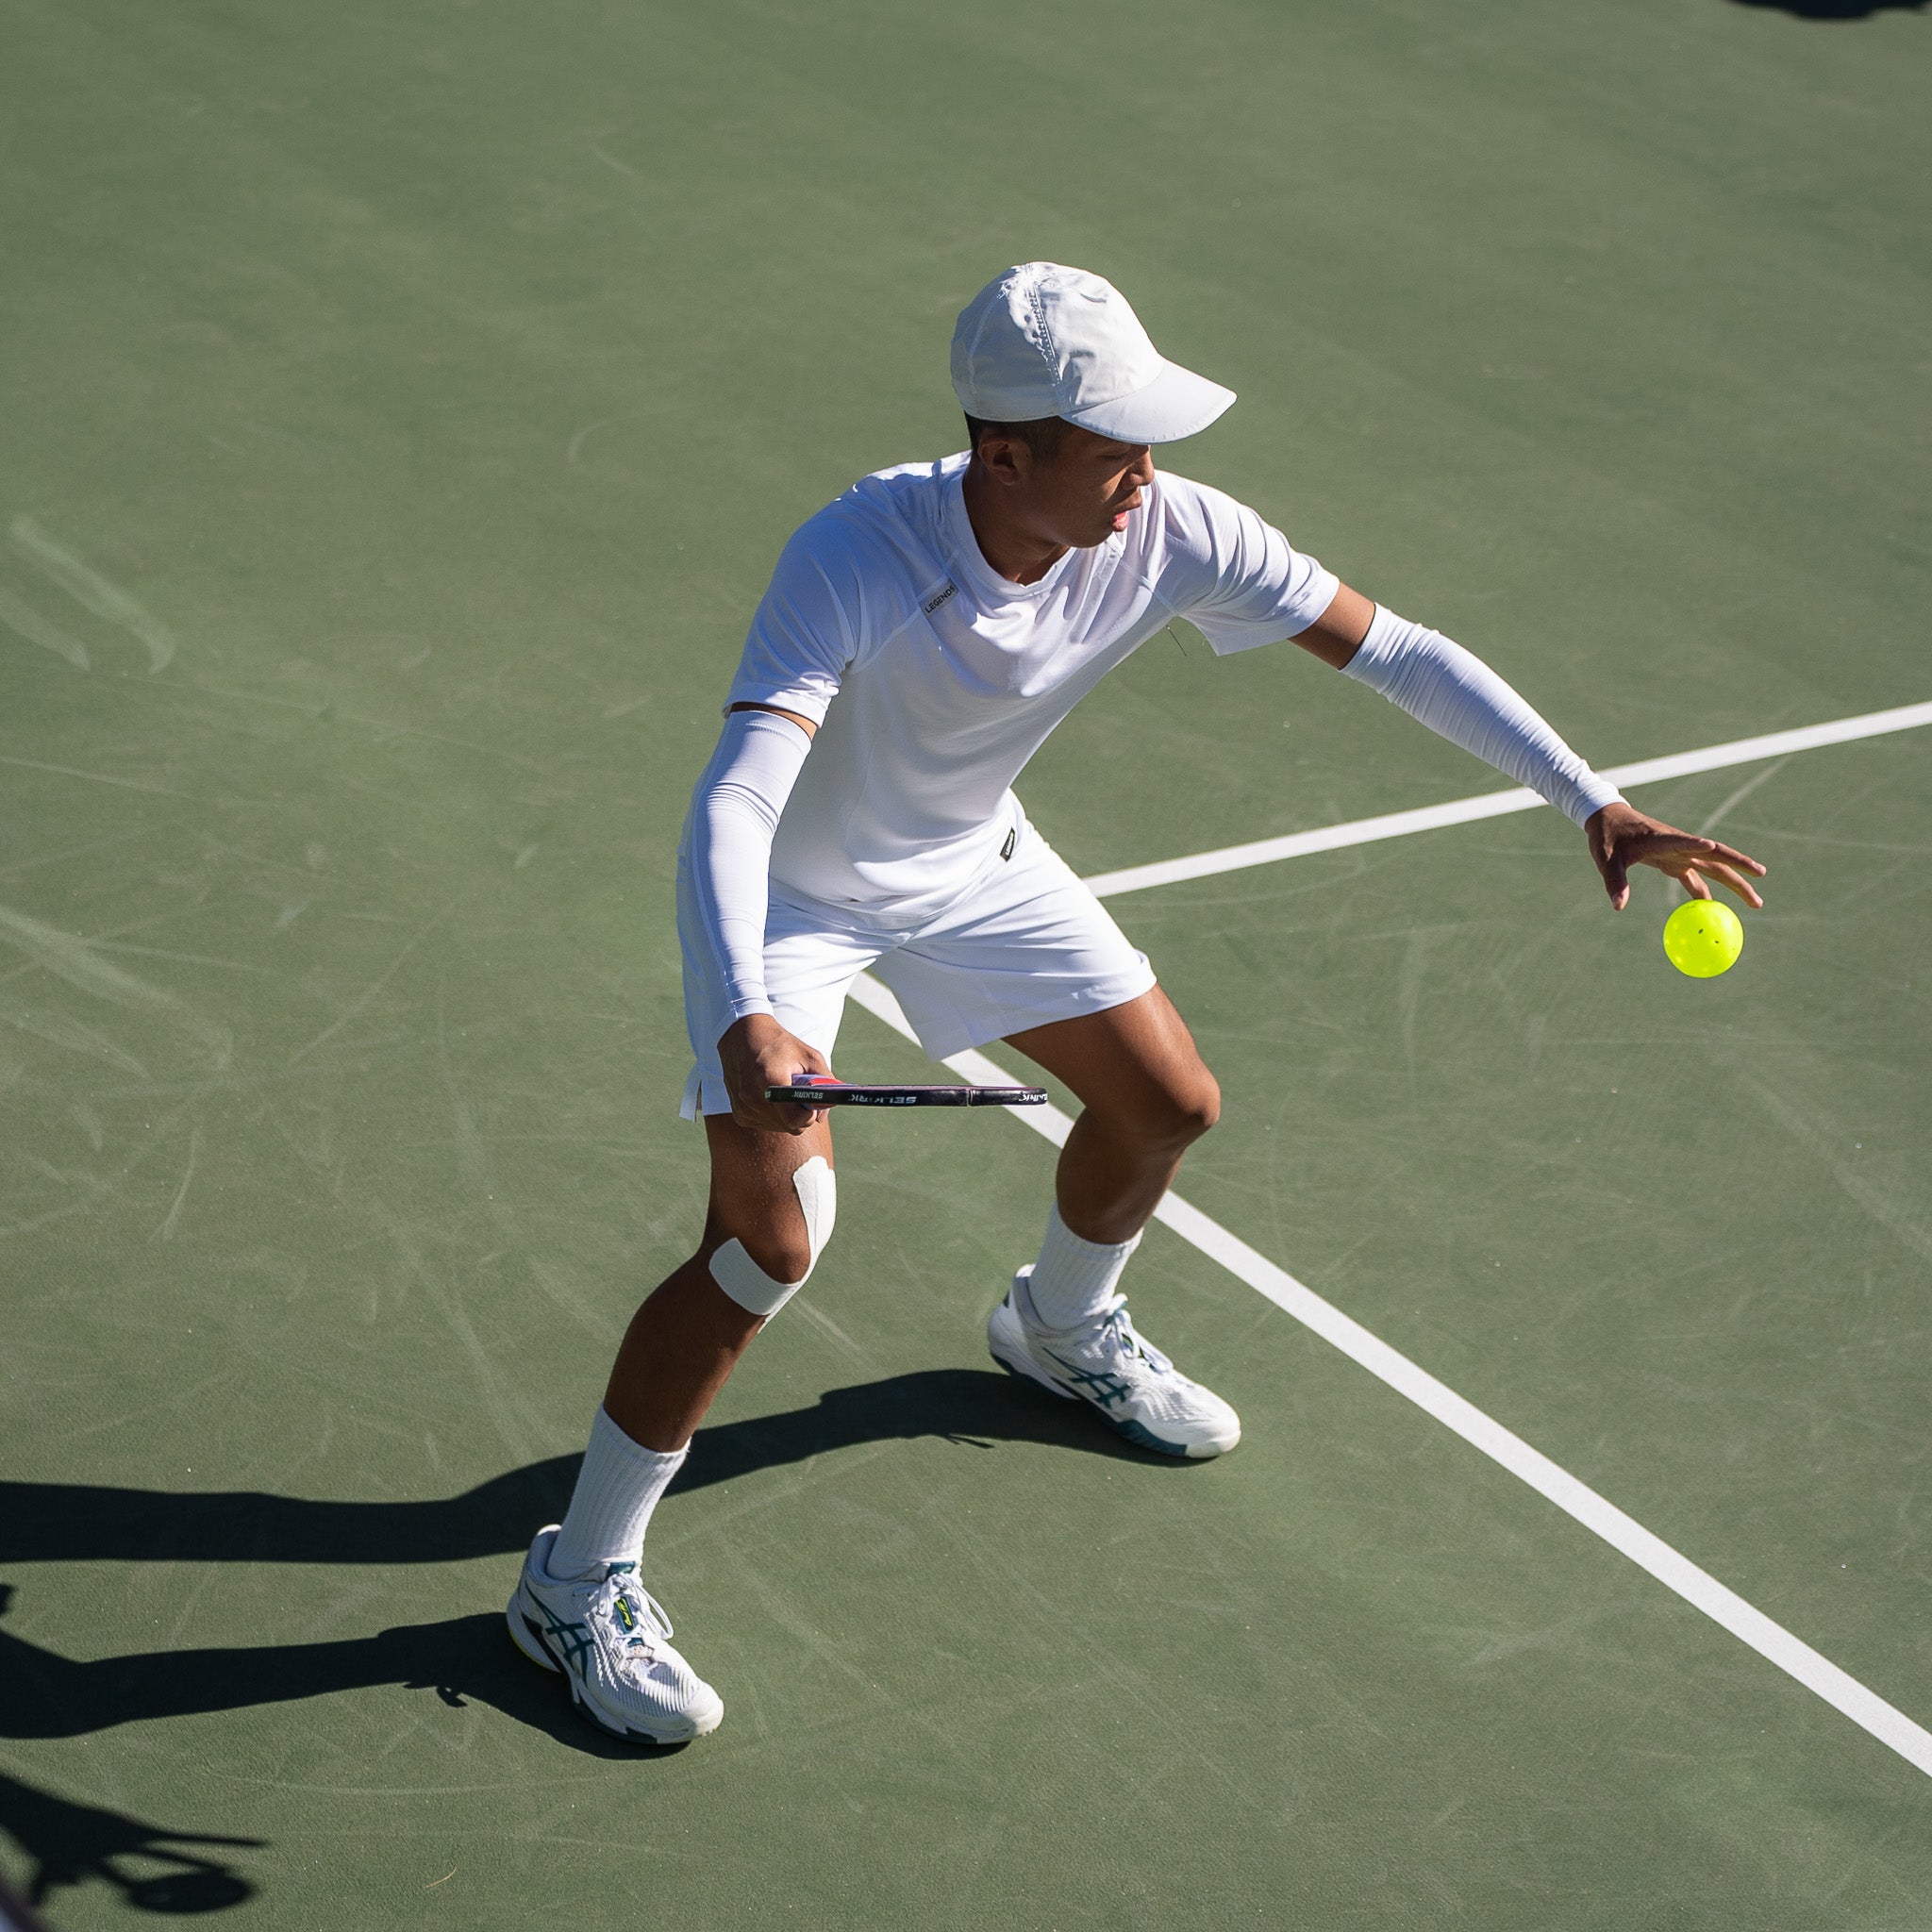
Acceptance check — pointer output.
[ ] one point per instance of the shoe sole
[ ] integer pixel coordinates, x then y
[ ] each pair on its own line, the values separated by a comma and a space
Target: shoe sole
532, 1644
1138, 1434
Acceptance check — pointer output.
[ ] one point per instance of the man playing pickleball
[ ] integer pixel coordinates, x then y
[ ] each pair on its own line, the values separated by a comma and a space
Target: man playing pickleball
919, 638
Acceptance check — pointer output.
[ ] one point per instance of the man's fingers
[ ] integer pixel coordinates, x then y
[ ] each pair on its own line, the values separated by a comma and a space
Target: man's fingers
1731, 856
1639, 848
1642, 846
1681, 855
783, 1116
815, 1063
1734, 881
807, 1058
782, 1069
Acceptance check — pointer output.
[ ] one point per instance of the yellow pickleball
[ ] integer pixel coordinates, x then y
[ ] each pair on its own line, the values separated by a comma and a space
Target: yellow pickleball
1703, 938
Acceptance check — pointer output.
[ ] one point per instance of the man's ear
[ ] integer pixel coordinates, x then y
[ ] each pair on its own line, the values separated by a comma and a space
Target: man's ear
1005, 459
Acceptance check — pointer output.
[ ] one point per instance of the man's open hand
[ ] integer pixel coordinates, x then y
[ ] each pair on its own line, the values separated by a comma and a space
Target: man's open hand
756, 1053
1620, 837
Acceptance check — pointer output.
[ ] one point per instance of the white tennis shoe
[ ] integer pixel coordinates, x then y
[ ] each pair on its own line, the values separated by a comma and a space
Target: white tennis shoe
1115, 1371
611, 1639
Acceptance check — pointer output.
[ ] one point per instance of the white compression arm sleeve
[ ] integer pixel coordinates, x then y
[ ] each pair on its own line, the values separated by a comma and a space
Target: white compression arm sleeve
1458, 696
734, 815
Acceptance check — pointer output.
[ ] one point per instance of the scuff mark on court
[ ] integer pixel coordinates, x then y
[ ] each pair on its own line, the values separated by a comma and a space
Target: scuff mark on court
1909, 1230
20, 616
166, 1231
368, 992
100, 595
69, 957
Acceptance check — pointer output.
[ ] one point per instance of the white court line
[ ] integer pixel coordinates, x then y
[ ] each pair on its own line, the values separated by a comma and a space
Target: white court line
1697, 1587
1490, 805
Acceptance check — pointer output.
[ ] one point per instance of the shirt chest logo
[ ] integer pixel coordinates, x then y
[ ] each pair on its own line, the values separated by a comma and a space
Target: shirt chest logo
940, 597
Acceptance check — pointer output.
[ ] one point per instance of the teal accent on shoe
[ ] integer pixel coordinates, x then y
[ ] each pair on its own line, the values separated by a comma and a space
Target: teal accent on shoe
575, 1638
1099, 1386
1140, 1434
1136, 1433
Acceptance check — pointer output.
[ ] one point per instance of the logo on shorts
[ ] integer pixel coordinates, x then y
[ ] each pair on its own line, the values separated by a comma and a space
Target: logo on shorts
1007, 850
932, 604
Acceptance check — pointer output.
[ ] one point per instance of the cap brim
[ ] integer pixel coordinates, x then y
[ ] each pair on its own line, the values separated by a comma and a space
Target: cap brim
1177, 403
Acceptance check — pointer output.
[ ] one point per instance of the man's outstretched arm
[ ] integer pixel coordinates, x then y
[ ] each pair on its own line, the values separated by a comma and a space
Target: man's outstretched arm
1460, 697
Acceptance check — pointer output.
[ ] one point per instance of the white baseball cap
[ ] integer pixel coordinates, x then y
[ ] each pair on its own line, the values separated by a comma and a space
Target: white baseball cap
1042, 339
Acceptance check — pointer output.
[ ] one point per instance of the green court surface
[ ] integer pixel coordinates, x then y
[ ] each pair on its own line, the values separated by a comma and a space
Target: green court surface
402, 407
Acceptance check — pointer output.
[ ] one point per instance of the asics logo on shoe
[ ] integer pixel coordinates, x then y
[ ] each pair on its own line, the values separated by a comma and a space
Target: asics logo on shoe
575, 1638
1100, 1384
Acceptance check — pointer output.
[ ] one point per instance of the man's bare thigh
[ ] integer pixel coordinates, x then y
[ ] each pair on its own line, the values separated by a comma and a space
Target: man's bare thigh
753, 1199
1135, 1060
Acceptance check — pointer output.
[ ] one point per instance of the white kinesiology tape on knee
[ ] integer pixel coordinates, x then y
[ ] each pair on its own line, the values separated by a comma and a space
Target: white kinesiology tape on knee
817, 1187
745, 1282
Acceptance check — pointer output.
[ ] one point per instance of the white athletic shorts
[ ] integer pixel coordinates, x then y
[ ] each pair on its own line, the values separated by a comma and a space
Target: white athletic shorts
1024, 944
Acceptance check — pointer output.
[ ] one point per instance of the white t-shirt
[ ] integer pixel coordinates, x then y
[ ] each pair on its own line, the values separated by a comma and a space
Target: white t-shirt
933, 679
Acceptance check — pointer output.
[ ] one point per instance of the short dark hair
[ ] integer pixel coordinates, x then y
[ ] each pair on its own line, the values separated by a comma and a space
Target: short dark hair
1042, 435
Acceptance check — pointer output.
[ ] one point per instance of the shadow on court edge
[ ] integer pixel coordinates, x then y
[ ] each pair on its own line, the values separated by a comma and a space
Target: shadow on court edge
1837, 10
164, 1870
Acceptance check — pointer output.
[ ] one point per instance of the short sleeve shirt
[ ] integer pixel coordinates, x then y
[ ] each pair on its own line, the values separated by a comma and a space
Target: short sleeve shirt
933, 679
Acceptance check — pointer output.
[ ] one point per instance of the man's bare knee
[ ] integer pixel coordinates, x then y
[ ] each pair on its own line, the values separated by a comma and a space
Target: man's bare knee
1201, 1105
1177, 1114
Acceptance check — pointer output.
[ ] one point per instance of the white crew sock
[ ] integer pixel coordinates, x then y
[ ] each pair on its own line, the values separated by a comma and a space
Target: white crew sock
1074, 1279
617, 1489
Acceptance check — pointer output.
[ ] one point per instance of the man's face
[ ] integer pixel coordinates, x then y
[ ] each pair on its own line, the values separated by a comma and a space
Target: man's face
1083, 491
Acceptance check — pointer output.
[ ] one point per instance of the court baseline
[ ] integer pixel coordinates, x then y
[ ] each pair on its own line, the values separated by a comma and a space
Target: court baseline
1577, 1499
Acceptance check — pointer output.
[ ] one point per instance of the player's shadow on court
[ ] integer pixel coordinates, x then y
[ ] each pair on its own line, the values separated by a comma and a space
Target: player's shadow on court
154, 1867
459, 1659
1838, 9
43, 1523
